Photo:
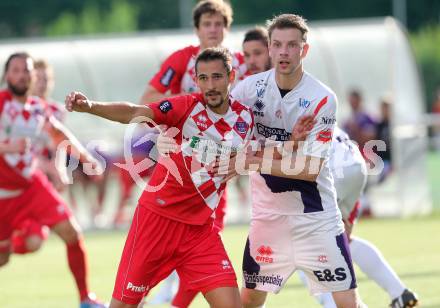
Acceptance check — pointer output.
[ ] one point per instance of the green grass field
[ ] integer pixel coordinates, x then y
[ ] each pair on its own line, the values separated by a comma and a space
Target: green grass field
43, 280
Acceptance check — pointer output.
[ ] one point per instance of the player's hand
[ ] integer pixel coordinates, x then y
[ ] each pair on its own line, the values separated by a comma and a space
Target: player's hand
166, 143
76, 101
21, 145
302, 127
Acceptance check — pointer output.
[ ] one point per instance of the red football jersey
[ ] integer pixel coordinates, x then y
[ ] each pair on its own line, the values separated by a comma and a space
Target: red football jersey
181, 187
18, 120
177, 72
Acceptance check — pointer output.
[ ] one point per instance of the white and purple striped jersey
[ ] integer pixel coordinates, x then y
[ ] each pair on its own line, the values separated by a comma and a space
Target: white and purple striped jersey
275, 117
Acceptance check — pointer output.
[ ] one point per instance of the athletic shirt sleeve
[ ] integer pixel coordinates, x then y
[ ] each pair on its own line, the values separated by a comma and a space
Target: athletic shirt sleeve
318, 142
171, 72
238, 93
171, 111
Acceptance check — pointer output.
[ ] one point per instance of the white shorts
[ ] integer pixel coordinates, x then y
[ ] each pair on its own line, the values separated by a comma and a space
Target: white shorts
278, 245
349, 187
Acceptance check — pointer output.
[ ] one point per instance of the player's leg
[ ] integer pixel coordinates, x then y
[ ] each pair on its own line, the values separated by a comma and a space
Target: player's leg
321, 251
5, 251
253, 298
147, 258
183, 297
371, 261
268, 258
205, 266
225, 297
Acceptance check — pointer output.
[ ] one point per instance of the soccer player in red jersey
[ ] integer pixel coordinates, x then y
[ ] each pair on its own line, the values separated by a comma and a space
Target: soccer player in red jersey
26, 195
173, 226
212, 20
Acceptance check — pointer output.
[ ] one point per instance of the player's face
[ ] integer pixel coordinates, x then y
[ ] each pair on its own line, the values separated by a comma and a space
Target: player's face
20, 75
211, 30
256, 56
213, 81
43, 82
287, 50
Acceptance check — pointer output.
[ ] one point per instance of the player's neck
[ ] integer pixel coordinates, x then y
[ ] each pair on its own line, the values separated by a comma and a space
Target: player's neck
21, 99
221, 109
289, 82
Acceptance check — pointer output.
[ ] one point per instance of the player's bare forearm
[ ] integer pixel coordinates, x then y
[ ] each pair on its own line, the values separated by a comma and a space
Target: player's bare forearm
61, 133
297, 167
122, 112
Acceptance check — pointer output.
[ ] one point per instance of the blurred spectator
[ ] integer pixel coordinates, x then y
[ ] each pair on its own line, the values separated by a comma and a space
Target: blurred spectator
360, 126
383, 132
436, 127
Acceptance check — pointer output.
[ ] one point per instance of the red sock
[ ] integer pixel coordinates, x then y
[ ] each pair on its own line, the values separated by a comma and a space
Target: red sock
77, 259
183, 297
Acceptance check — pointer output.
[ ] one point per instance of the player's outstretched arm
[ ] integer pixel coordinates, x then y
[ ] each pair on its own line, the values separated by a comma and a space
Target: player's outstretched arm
122, 112
16, 146
60, 133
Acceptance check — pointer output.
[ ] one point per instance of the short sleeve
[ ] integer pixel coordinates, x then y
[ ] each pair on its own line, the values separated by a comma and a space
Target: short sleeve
171, 111
170, 75
238, 93
319, 140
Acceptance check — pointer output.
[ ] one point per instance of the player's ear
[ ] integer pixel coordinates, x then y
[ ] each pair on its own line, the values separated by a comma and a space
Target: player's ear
305, 50
232, 76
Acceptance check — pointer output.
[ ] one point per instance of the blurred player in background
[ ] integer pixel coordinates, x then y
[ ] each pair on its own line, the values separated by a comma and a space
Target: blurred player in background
27, 126
350, 175
173, 227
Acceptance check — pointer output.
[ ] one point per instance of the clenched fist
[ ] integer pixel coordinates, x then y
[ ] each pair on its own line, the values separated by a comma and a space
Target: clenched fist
76, 101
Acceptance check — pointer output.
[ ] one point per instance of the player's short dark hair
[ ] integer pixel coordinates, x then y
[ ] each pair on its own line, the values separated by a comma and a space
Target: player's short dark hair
356, 93
215, 53
288, 21
212, 7
257, 33
20, 54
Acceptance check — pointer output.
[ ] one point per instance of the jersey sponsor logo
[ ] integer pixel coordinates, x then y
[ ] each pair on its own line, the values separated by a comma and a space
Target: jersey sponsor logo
241, 127
327, 275
328, 120
226, 264
165, 106
322, 259
167, 77
280, 133
137, 289
324, 136
304, 103
263, 279
265, 253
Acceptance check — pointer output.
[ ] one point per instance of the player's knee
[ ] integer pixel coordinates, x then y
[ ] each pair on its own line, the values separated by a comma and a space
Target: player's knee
33, 243
252, 298
68, 230
347, 299
4, 258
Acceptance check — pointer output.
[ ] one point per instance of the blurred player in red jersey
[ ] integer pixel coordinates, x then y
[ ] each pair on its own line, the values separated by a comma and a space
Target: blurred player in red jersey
25, 193
173, 227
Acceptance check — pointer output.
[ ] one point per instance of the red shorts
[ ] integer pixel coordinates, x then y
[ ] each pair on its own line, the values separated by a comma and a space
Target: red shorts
157, 245
40, 202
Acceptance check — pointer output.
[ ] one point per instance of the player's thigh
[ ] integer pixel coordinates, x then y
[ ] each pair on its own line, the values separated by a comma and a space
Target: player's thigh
114, 303
268, 259
323, 254
224, 297
252, 298
204, 264
68, 230
346, 299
